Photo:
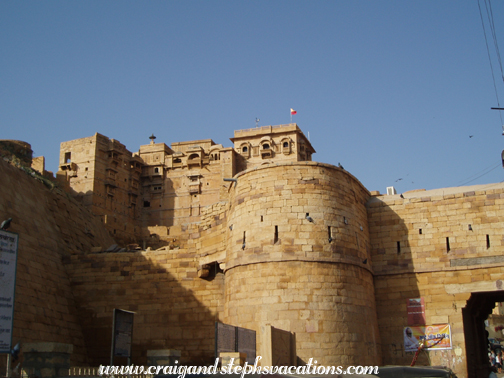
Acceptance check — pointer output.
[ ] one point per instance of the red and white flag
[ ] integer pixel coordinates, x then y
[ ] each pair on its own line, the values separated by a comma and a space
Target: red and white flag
293, 111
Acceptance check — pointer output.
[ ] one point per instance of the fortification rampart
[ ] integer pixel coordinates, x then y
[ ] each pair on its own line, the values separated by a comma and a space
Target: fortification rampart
442, 229
50, 225
174, 309
442, 246
295, 244
298, 211
177, 293
297, 259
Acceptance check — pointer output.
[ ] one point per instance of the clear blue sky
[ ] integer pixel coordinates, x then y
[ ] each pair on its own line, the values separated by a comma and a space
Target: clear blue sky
390, 89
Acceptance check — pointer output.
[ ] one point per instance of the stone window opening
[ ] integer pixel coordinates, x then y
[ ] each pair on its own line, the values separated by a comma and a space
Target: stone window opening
488, 241
448, 245
275, 238
245, 150
110, 190
194, 185
68, 157
194, 159
286, 146
266, 151
398, 247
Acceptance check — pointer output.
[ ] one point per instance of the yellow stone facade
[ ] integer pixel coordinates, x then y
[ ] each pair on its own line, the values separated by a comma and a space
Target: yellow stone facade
297, 252
253, 235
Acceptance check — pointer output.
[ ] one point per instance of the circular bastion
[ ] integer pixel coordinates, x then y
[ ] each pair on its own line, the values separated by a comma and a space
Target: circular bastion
297, 259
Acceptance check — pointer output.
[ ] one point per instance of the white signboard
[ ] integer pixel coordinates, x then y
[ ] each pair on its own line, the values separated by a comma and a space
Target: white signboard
8, 259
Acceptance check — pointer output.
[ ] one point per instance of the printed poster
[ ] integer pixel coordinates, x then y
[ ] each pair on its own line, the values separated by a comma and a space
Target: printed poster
432, 337
416, 311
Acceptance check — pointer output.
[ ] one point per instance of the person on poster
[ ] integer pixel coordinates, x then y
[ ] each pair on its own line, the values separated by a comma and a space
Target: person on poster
411, 343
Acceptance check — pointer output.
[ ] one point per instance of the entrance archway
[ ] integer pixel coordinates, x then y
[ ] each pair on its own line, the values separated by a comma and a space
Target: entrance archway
474, 314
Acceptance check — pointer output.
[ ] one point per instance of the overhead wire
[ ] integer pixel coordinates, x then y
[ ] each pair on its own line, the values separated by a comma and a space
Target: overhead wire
494, 36
470, 177
488, 52
480, 174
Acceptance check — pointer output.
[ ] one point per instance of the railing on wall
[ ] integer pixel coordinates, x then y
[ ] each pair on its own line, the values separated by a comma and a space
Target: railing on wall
93, 372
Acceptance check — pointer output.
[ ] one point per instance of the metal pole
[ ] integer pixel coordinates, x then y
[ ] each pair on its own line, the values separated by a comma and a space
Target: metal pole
9, 371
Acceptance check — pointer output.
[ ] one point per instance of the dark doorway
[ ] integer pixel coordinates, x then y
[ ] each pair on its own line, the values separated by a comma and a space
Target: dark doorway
476, 311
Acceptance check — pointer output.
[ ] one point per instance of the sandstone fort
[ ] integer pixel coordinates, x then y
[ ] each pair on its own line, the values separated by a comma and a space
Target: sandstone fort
255, 235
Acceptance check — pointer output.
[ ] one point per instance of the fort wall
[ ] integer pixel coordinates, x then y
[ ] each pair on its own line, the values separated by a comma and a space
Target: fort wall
174, 309
308, 276
51, 225
442, 246
298, 245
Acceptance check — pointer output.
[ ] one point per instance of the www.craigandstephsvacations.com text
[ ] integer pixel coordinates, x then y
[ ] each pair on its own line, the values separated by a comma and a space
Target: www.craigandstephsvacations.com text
310, 368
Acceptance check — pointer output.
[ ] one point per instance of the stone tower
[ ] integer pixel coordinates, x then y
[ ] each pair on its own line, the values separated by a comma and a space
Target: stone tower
297, 259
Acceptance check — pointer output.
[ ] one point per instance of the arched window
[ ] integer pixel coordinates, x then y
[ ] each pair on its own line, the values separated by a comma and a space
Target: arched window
245, 150
285, 144
266, 146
